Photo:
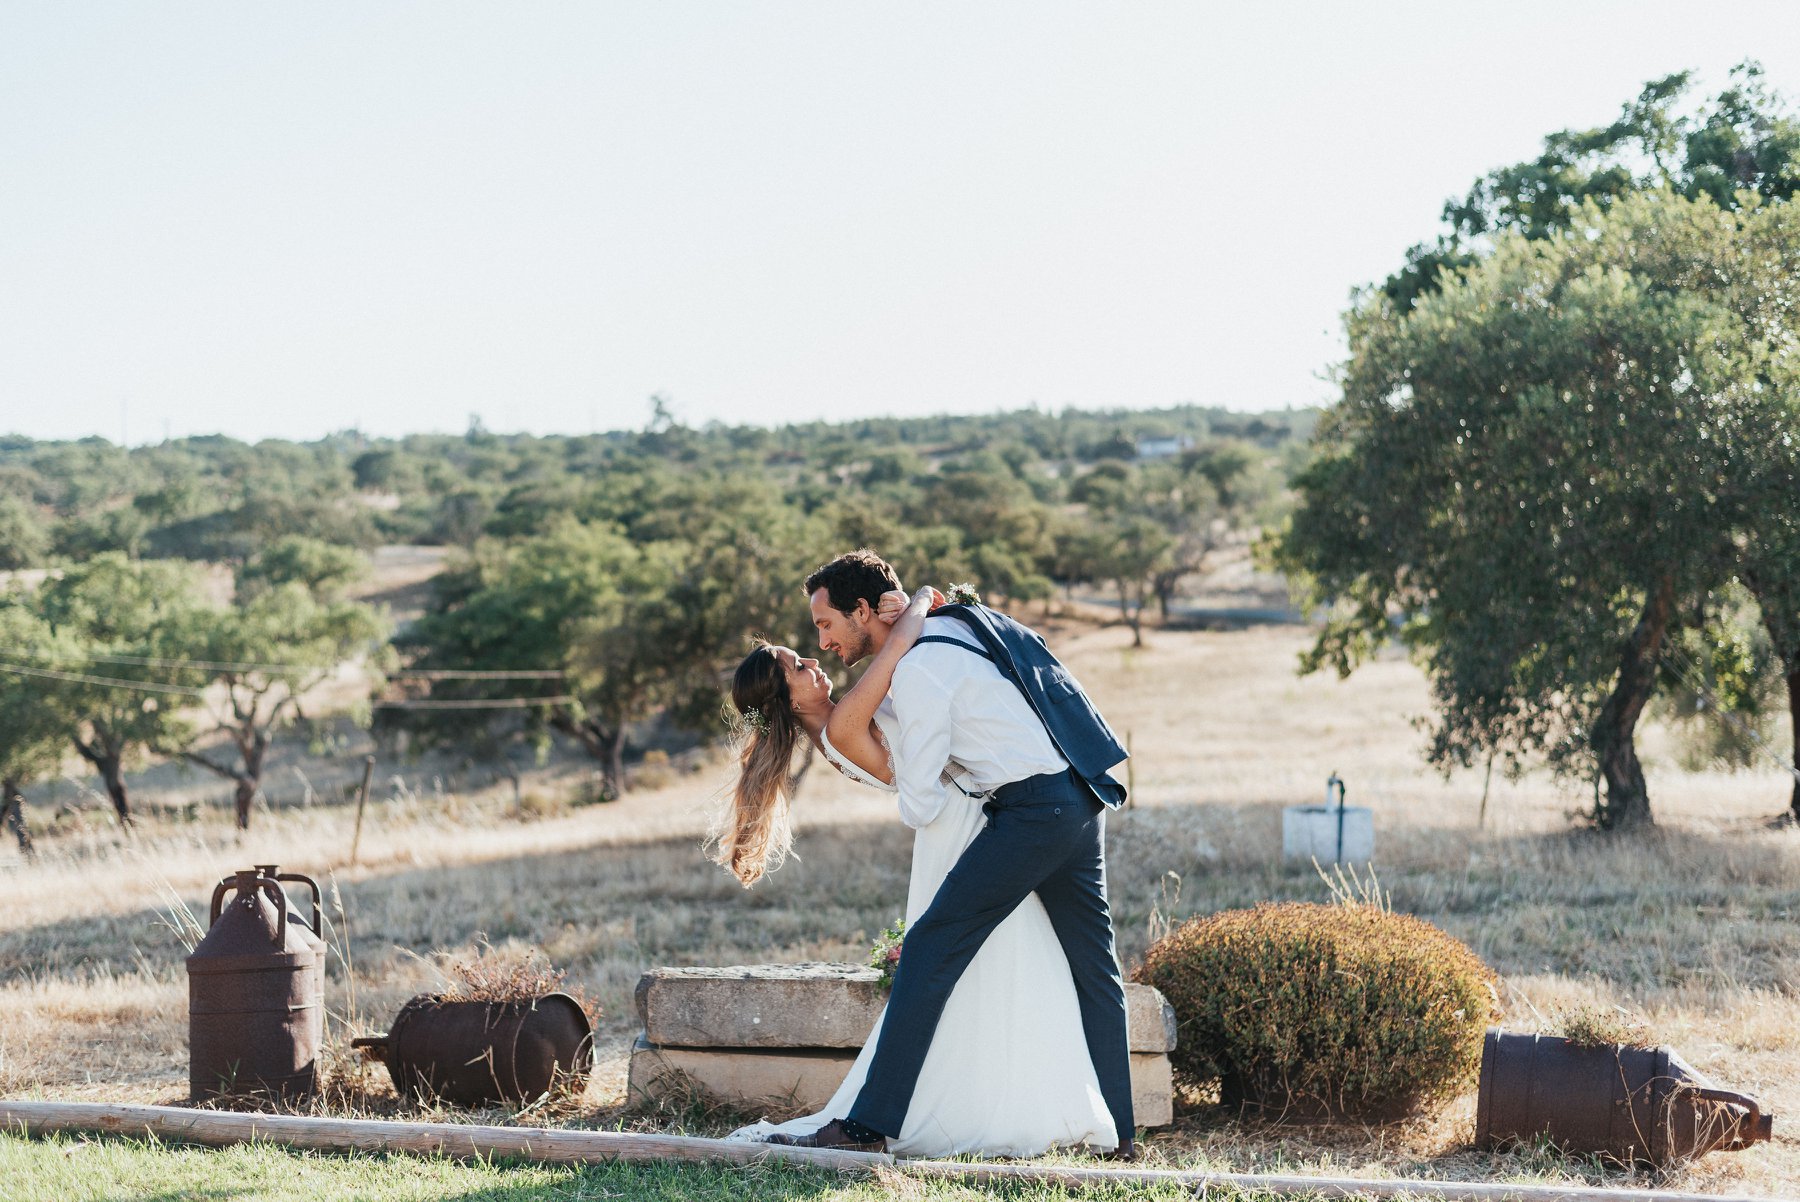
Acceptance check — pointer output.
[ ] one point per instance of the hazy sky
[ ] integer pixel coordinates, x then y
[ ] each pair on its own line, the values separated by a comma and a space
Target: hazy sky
281, 219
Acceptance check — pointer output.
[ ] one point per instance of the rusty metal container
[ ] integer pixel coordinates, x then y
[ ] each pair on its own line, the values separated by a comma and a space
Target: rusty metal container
256, 1017
313, 931
481, 1053
1631, 1105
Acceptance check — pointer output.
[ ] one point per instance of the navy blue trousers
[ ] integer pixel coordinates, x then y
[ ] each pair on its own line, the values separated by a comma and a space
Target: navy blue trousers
1044, 835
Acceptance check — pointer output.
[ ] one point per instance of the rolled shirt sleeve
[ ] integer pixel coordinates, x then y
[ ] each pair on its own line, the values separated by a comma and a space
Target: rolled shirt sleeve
922, 704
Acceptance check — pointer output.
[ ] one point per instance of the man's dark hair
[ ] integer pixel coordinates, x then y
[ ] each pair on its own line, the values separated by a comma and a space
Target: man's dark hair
859, 575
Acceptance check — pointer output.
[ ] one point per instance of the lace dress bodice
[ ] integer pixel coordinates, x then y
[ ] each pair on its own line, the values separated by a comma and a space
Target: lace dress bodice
842, 762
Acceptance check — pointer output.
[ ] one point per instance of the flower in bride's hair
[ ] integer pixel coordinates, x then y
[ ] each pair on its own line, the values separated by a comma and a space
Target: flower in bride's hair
756, 720
962, 594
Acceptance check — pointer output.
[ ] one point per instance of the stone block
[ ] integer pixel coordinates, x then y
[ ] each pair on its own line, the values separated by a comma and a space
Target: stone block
1152, 1089
811, 1006
760, 1006
1149, 1019
802, 1079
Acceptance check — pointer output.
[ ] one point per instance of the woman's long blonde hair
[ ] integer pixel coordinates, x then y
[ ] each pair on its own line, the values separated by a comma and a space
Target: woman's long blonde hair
754, 836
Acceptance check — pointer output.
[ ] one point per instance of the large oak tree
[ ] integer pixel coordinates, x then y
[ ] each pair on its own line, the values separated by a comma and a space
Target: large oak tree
1537, 474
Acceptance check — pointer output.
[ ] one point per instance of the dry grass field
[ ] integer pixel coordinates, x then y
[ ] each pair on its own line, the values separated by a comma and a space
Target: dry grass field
1691, 924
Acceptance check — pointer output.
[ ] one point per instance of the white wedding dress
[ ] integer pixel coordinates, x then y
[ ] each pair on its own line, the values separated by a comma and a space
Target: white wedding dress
1008, 1073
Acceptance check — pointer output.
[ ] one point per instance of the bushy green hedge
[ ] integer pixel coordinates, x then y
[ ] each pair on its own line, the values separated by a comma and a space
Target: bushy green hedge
1323, 1010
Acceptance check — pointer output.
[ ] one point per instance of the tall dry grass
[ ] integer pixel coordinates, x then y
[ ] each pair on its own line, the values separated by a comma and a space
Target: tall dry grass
1691, 925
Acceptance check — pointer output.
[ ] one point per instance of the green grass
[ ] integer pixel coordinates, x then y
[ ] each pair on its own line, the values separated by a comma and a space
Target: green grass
109, 1169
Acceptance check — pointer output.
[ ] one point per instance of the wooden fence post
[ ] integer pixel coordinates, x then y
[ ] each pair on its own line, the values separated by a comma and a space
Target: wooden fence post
362, 799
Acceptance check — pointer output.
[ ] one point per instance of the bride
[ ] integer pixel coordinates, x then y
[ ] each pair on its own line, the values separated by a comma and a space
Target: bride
1008, 1073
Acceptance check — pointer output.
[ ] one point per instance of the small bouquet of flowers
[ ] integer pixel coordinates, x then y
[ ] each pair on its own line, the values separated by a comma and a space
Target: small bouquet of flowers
884, 957
962, 594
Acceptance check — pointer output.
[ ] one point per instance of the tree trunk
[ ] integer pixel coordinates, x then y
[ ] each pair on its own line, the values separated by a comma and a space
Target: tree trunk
510, 772
245, 783
615, 761
107, 755
113, 774
606, 746
255, 749
1793, 684
12, 804
1134, 618
1627, 801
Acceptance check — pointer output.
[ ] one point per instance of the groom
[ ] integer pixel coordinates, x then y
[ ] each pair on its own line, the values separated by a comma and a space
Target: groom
956, 699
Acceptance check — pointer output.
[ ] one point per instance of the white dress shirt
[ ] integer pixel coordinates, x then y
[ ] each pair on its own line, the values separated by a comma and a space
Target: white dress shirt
952, 704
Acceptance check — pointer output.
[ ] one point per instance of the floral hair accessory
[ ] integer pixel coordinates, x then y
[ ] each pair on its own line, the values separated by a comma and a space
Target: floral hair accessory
756, 720
962, 594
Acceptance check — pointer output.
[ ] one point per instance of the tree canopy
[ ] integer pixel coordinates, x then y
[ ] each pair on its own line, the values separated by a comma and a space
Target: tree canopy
1742, 143
1542, 470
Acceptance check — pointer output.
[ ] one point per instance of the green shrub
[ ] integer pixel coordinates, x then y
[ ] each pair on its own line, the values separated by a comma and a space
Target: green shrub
1320, 1011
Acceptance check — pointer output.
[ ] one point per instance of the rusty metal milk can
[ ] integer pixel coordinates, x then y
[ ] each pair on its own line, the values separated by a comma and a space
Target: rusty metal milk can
314, 932
1629, 1104
475, 1053
255, 990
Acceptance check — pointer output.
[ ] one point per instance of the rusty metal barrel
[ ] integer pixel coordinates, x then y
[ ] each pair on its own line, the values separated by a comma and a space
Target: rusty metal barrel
256, 1017
476, 1053
1628, 1104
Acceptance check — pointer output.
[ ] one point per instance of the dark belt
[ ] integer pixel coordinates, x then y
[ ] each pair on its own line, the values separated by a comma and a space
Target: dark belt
1017, 791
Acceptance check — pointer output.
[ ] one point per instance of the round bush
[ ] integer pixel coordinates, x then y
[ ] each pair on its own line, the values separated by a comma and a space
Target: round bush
1323, 1011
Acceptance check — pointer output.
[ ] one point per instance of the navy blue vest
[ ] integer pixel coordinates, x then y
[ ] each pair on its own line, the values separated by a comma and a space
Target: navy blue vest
1074, 725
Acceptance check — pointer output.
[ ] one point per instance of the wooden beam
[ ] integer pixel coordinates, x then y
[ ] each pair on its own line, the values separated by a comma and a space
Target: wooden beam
220, 1128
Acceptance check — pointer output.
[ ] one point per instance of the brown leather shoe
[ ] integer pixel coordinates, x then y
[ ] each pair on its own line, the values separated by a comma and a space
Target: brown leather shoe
831, 1135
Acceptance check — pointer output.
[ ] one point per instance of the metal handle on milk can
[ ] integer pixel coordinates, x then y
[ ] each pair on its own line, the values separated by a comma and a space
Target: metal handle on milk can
1751, 1120
251, 880
318, 898
274, 873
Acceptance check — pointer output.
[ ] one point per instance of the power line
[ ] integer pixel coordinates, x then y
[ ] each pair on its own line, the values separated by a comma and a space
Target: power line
498, 703
474, 674
155, 661
143, 686
212, 665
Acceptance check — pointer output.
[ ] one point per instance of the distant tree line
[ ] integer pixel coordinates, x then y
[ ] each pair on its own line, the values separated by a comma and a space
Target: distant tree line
627, 569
